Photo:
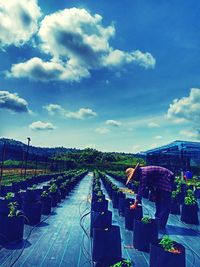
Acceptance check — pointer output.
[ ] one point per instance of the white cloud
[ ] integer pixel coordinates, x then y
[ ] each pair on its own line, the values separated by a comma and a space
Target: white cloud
192, 134
13, 102
39, 70
19, 21
113, 123
41, 126
82, 113
102, 130
153, 125
78, 42
119, 58
158, 137
186, 108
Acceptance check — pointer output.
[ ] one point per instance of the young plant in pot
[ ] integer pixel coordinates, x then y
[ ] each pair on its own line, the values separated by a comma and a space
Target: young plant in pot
175, 205
63, 190
189, 213
54, 194
100, 205
46, 202
13, 224
123, 263
145, 232
165, 252
4, 201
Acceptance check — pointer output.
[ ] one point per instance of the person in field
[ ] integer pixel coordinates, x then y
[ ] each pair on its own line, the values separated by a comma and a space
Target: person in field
161, 181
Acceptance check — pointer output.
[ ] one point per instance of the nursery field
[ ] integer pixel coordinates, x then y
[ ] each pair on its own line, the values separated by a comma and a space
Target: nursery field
63, 237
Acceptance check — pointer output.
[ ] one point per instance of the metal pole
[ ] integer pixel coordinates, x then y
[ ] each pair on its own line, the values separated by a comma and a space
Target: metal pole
2, 161
26, 157
22, 166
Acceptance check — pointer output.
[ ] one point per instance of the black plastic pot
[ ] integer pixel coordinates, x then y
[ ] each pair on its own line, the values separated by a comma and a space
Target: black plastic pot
32, 195
100, 206
100, 220
189, 214
144, 234
13, 228
175, 207
54, 196
16, 186
122, 205
33, 212
106, 243
63, 192
115, 199
46, 205
131, 215
162, 258
197, 193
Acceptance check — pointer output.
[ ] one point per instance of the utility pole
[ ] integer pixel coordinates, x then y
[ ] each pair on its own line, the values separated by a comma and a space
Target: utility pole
2, 161
29, 139
22, 166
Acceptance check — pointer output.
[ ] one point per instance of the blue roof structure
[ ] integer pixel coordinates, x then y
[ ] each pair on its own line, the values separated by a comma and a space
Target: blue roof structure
178, 155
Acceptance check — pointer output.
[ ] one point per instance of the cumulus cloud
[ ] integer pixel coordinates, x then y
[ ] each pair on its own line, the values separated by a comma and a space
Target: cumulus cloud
78, 42
19, 21
41, 126
190, 133
39, 70
113, 123
102, 130
153, 125
81, 114
13, 102
186, 108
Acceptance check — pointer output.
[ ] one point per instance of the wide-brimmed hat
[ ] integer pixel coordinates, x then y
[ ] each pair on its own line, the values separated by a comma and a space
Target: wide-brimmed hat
130, 172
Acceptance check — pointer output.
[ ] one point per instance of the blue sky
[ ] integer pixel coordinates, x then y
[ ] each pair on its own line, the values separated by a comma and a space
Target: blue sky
112, 75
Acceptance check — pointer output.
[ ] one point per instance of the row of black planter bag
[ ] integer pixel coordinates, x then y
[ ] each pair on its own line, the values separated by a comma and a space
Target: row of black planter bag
27, 206
163, 252
106, 239
184, 198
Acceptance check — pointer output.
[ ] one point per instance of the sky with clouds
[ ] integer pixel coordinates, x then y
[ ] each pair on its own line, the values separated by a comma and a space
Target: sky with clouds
112, 75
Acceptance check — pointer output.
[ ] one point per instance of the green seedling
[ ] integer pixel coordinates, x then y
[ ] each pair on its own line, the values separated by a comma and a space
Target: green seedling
9, 196
12, 209
123, 263
146, 219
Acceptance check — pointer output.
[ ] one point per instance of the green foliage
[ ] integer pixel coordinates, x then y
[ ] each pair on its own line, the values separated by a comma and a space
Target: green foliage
123, 263
9, 195
174, 194
190, 198
146, 219
167, 243
12, 209
53, 188
45, 194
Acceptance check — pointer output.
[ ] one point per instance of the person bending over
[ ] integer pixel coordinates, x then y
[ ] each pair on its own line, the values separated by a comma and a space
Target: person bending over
161, 181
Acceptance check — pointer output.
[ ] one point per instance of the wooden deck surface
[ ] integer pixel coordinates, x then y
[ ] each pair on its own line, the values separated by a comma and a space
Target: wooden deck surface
60, 240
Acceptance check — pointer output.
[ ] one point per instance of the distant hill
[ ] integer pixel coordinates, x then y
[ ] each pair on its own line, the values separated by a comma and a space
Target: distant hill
15, 150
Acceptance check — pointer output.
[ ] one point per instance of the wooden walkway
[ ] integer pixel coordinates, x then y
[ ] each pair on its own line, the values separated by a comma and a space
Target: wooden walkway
61, 241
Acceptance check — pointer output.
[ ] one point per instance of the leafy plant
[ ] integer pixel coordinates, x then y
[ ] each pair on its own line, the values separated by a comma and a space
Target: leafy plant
100, 200
190, 198
9, 196
12, 209
99, 193
146, 219
45, 194
123, 263
53, 188
167, 243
